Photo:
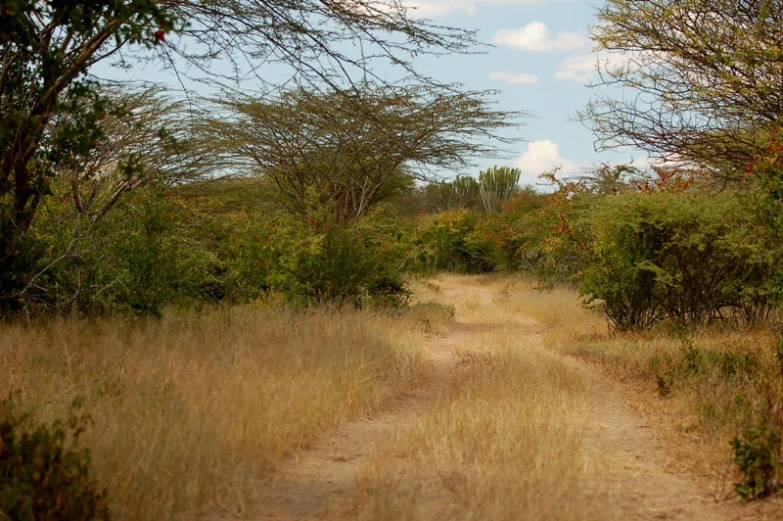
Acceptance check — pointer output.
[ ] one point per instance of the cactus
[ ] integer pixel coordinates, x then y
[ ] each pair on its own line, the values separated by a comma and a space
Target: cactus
497, 185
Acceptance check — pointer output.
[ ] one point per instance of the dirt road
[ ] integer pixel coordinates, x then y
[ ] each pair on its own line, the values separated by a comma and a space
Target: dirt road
637, 483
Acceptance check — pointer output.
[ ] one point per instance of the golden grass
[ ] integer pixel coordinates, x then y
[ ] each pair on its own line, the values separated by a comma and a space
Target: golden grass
560, 311
702, 405
701, 410
189, 411
505, 444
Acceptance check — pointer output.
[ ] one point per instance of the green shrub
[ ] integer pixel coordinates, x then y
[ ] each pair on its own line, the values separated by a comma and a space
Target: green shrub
44, 475
143, 255
330, 263
686, 257
450, 241
758, 454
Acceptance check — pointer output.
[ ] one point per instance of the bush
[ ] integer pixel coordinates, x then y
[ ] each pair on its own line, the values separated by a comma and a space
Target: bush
758, 454
687, 257
140, 257
451, 241
44, 475
339, 264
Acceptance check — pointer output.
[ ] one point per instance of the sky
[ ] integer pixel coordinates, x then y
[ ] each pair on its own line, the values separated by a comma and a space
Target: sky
540, 62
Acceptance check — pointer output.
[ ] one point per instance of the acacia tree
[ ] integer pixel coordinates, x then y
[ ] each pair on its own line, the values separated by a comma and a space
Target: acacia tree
50, 106
150, 140
340, 152
706, 73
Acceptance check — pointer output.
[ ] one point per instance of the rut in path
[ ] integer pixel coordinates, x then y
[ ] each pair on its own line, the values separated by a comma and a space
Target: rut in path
637, 482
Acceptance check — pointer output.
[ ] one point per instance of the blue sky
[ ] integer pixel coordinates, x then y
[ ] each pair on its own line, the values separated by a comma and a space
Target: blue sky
541, 64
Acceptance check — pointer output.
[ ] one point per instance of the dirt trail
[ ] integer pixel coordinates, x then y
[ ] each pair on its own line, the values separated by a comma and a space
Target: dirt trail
637, 483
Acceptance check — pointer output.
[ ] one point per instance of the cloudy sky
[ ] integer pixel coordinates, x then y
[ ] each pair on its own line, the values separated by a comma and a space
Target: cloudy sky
541, 63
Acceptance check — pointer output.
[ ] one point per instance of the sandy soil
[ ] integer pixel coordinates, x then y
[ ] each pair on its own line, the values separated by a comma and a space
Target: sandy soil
638, 482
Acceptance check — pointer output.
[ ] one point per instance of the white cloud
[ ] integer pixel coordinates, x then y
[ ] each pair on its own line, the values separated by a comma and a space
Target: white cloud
536, 36
514, 79
582, 68
542, 156
436, 8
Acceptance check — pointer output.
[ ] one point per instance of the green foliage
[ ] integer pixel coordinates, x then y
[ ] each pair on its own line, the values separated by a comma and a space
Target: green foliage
758, 454
144, 255
452, 241
468, 241
686, 257
156, 250
355, 264
44, 475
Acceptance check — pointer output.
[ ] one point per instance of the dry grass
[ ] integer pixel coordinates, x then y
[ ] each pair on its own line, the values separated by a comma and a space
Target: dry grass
704, 389
191, 410
566, 321
702, 408
505, 444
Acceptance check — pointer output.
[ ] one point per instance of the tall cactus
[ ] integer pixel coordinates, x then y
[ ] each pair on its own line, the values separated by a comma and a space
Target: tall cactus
465, 191
497, 185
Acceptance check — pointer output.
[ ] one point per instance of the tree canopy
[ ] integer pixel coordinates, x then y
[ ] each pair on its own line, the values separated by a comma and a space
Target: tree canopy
704, 78
52, 107
343, 150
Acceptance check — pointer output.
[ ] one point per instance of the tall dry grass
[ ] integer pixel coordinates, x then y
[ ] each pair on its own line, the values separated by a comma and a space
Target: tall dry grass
701, 387
506, 444
565, 320
190, 410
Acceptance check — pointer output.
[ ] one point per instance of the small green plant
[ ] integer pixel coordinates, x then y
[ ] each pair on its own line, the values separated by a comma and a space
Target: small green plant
44, 475
687, 366
757, 454
691, 357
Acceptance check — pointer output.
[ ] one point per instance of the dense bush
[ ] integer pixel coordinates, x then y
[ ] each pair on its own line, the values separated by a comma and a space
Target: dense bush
154, 250
468, 241
451, 241
330, 263
665, 247
44, 475
141, 256
640, 251
687, 257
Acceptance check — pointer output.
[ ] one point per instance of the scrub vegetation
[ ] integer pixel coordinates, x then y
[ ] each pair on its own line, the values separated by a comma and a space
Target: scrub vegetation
195, 292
